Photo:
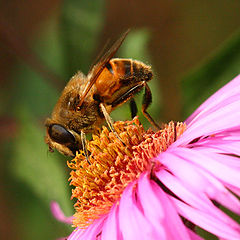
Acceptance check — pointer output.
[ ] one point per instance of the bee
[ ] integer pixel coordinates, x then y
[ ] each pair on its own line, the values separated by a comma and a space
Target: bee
87, 101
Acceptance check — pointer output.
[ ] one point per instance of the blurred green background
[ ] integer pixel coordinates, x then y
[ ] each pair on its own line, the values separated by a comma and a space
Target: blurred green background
193, 46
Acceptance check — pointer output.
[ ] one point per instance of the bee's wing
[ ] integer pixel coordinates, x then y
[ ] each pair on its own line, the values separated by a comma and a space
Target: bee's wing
98, 68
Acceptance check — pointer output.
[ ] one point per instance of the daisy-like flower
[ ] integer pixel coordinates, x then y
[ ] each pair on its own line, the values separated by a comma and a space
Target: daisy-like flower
162, 185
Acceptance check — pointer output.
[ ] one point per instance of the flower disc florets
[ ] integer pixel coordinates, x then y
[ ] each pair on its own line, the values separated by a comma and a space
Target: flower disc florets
113, 164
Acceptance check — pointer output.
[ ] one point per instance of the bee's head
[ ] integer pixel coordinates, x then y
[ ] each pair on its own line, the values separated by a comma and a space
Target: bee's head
65, 141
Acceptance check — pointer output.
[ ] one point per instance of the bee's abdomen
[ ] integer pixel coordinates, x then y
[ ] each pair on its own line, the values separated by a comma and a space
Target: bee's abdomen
133, 70
121, 77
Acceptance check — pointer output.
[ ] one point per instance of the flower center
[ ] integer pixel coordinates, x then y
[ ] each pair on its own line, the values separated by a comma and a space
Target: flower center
114, 164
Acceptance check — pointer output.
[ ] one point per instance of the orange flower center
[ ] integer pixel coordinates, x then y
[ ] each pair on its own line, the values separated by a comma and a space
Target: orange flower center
115, 164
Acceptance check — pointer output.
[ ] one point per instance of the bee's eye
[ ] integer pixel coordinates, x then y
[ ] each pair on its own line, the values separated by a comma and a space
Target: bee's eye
60, 135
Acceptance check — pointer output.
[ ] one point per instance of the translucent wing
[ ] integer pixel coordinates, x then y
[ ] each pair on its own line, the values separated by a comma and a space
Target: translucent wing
98, 68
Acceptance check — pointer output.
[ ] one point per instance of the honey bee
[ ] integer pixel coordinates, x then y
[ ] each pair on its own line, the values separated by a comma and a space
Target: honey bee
87, 101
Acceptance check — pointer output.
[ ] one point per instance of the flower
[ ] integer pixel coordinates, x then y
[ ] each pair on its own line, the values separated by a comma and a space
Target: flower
162, 185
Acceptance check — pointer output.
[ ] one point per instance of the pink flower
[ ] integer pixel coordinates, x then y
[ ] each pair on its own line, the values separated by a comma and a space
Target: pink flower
177, 179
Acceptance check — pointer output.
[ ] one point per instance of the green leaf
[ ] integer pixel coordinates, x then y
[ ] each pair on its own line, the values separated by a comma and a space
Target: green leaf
219, 68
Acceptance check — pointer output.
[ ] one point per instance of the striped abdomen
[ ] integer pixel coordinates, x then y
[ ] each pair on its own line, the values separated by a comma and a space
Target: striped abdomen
121, 79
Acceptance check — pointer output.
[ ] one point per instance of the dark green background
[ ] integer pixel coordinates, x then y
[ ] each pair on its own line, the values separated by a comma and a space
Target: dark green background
193, 46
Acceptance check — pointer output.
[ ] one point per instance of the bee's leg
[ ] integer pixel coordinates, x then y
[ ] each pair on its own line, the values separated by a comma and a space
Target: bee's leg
133, 108
147, 100
84, 145
109, 121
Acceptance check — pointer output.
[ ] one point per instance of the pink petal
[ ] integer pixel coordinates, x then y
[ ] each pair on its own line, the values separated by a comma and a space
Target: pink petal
208, 222
184, 170
216, 107
185, 192
217, 145
210, 163
230, 89
160, 211
224, 118
76, 234
132, 222
221, 194
111, 226
58, 213
91, 233
192, 197
152, 206
203, 184
221, 153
